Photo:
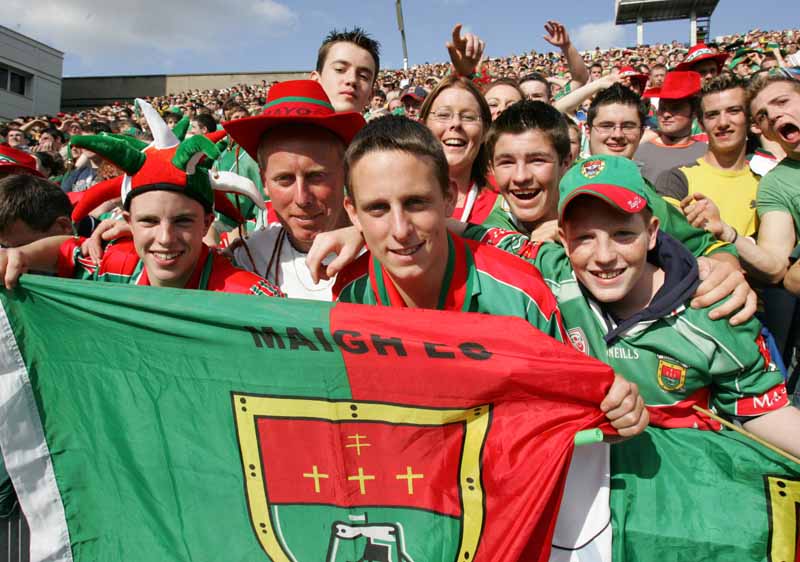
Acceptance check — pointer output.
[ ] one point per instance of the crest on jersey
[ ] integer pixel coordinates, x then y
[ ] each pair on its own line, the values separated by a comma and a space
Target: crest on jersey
578, 339
671, 375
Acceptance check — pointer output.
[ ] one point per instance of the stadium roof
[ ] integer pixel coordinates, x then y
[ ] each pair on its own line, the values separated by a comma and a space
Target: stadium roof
662, 10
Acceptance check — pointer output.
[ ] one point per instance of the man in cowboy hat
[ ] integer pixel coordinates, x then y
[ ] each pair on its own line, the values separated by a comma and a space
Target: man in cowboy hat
674, 145
168, 196
299, 142
705, 61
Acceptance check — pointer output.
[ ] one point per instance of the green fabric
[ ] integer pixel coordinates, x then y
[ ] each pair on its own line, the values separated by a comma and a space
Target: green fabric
119, 152
171, 428
779, 190
181, 128
234, 159
681, 494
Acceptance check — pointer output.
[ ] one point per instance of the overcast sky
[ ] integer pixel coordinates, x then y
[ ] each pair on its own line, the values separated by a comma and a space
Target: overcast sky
102, 37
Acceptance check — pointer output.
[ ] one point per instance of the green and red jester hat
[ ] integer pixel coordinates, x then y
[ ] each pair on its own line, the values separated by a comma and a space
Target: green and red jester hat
165, 165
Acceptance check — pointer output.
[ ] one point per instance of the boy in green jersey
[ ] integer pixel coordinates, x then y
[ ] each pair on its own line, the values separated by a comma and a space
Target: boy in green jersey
623, 288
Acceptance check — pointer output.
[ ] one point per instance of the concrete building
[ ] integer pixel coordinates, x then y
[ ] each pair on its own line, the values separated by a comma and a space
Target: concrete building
698, 12
90, 91
30, 76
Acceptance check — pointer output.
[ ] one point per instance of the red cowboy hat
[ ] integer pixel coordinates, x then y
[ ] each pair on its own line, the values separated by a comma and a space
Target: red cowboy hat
701, 52
630, 72
12, 160
294, 101
678, 84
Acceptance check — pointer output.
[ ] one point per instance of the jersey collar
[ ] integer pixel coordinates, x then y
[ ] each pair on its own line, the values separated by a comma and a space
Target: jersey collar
458, 285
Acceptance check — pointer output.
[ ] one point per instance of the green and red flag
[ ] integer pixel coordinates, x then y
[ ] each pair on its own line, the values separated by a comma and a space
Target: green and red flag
146, 424
684, 494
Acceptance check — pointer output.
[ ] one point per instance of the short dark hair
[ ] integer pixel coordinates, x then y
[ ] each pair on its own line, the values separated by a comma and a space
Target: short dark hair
538, 77
397, 133
53, 132
617, 93
359, 38
719, 84
35, 201
97, 127
206, 121
529, 115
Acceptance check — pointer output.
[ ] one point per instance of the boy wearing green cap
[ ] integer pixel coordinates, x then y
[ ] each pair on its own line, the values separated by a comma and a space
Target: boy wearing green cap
623, 288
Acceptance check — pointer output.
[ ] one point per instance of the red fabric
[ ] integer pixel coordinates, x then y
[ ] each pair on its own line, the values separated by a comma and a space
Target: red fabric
539, 391
484, 203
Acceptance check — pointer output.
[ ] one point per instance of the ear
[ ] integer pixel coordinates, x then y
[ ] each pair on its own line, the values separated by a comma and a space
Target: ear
63, 225
315, 76
562, 237
350, 207
652, 232
126, 215
451, 197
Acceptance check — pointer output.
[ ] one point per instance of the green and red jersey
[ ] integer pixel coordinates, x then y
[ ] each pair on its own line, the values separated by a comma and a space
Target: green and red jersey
678, 358
478, 278
121, 264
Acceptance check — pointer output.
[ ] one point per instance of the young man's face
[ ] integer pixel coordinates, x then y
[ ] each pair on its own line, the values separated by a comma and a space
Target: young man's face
168, 230
616, 130
595, 73
724, 120
527, 170
400, 208
535, 91
776, 112
304, 177
501, 97
377, 102
707, 69
239, 114
347, 76
608, 251
411, 106
675, 117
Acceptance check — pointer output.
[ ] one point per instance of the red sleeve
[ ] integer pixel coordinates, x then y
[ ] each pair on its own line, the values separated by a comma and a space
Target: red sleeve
66, 257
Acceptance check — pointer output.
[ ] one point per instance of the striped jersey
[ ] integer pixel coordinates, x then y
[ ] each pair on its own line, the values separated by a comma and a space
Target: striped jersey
478, 278
121, 264
678, 360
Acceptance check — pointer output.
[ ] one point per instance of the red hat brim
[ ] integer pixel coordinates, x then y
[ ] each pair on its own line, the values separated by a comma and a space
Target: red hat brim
719, 58
247, 132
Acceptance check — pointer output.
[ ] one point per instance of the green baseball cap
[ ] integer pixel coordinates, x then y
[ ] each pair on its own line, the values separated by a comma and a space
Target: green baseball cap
614, 179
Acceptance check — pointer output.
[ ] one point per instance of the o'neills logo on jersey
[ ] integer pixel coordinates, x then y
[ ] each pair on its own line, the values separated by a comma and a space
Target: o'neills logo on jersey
592, 168
578, 339
671, 375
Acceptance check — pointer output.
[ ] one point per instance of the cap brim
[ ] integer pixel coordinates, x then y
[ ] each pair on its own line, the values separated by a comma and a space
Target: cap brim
247, 132
617, 196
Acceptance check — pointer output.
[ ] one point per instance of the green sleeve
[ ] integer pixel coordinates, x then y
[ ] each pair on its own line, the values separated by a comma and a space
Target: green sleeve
741, 370
699, 242
772, 197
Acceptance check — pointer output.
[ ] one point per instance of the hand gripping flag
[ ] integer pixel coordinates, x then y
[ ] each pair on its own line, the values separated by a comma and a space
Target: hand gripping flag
156, 424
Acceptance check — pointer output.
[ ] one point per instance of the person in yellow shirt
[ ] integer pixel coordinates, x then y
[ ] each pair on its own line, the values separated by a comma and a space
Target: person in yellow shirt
718, 191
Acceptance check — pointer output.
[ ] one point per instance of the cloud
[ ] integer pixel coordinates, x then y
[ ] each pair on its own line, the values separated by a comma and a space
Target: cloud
598, 34
125, 31
275, 12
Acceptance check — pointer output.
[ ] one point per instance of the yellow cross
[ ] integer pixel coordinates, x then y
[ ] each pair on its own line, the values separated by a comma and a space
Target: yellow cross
409, 476
358, 444
361, 477
316, 476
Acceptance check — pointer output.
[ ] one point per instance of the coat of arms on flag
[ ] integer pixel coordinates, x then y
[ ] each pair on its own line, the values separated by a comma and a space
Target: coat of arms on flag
340, 480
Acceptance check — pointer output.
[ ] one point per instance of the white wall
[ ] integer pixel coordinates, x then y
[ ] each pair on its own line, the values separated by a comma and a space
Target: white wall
42, 63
